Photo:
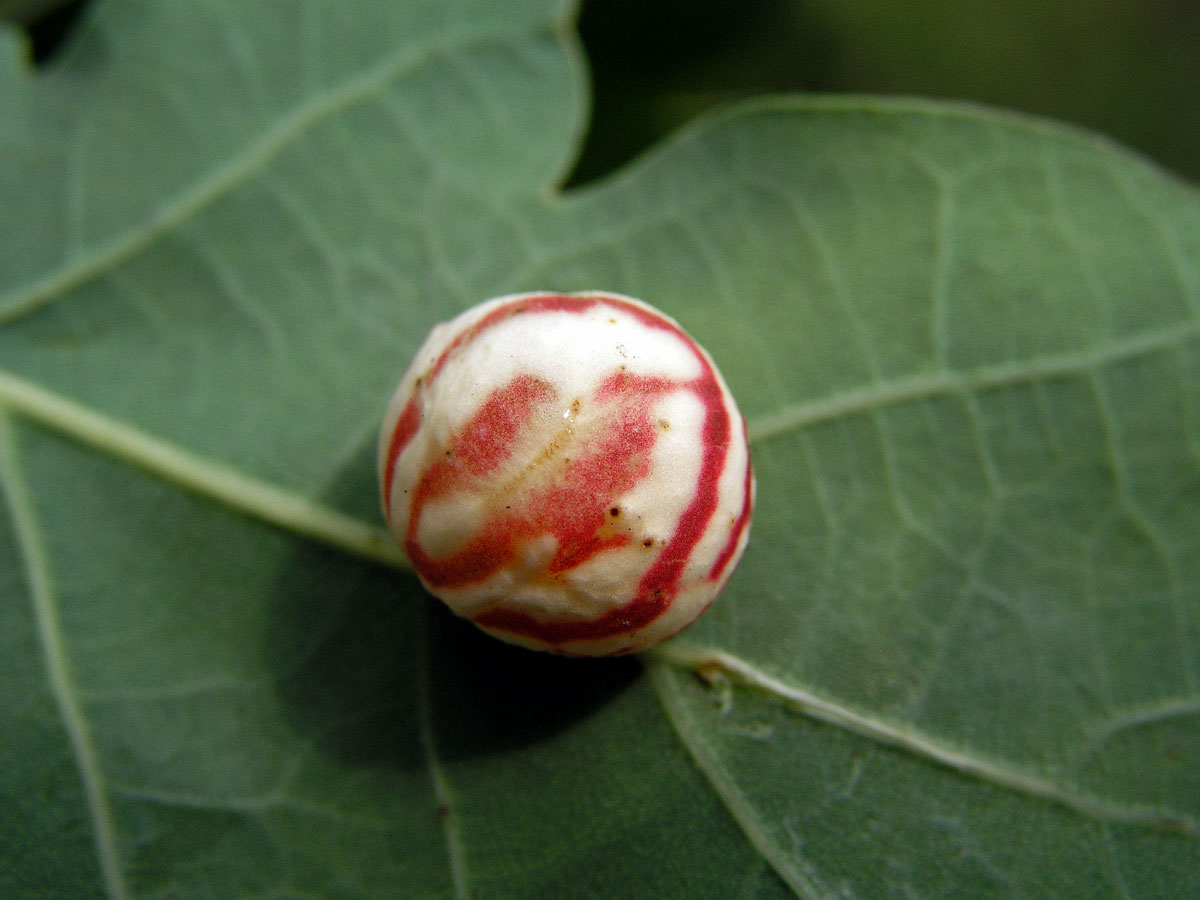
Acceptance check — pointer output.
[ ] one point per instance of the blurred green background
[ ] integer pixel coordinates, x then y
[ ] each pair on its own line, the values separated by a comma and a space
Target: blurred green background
1127, 68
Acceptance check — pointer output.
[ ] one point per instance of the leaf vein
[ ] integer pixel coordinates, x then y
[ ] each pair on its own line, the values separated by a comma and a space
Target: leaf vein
262, 500
711, 663
256, 805
1142, 521
63, 689
224, 178
441, 787
942, 383
743, 814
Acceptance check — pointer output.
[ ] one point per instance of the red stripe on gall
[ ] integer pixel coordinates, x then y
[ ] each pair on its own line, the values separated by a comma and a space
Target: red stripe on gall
568, 471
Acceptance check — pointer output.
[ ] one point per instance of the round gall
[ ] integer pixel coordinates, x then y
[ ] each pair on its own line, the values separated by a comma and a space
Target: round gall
567, 471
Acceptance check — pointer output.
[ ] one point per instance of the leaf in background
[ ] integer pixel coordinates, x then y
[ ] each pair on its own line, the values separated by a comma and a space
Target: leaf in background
959, 658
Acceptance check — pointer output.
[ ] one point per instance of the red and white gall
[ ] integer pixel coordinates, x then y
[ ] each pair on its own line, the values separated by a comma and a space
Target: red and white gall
567, 471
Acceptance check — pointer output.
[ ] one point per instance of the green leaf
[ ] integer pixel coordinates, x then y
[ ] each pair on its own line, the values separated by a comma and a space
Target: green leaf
961, 655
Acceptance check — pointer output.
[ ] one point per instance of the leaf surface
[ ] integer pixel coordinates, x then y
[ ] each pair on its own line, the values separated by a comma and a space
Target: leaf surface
960, 657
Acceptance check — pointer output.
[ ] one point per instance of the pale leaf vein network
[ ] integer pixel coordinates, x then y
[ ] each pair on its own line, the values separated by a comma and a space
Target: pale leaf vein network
95, 262
914, 388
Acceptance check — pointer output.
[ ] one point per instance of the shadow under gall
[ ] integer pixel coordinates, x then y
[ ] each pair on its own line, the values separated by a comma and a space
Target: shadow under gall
488, 696
361, 653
